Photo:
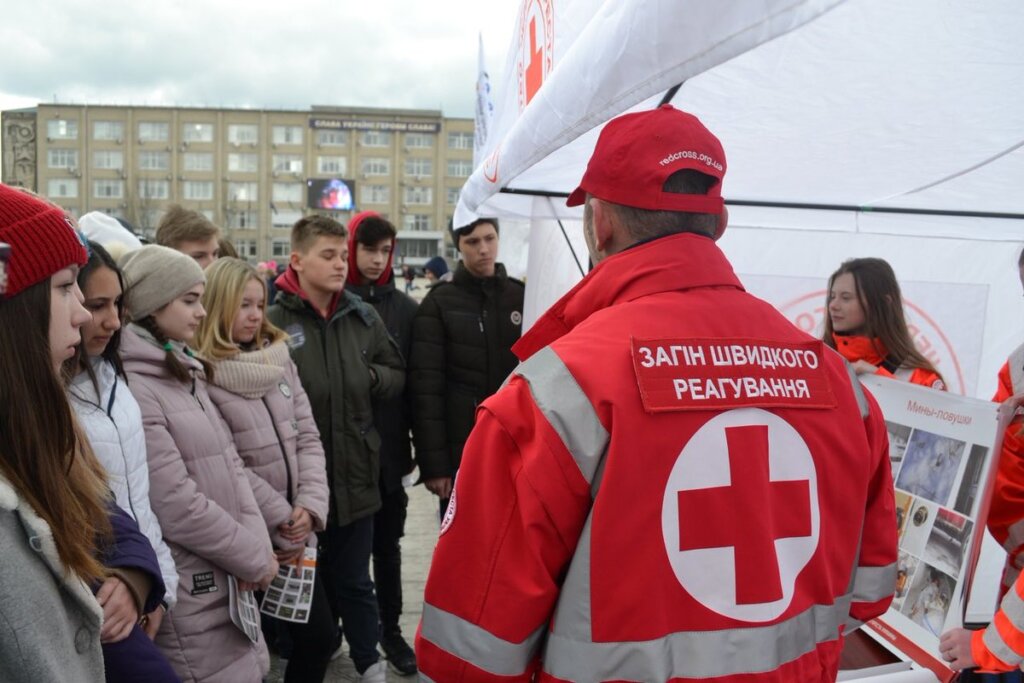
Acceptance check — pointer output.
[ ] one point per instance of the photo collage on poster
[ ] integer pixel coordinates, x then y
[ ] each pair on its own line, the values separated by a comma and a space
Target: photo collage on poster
938, 480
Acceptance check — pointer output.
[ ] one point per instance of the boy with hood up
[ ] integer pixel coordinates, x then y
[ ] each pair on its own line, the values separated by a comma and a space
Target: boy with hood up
371, 247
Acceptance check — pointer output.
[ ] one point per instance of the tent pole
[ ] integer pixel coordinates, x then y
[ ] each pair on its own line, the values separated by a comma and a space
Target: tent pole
670, 94
567, 240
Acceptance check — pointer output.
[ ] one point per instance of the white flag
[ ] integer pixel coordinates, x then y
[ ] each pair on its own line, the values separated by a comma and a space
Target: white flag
484, 107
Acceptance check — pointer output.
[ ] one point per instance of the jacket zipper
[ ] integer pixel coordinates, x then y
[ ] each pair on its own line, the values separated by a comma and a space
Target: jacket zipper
284, 453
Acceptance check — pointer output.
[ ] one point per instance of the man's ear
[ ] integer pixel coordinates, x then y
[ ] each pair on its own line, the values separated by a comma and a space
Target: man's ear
603, 222
295, 261
723, 222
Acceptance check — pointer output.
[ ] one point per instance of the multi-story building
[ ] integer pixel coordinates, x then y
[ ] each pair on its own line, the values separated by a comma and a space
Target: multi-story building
253, 172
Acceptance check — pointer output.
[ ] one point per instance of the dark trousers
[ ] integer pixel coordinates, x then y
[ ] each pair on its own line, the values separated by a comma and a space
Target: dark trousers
388, 529
345, 554
974, 677
312, 643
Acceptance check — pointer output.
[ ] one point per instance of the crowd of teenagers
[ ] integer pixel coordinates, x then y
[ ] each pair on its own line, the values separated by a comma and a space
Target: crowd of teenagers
171, 426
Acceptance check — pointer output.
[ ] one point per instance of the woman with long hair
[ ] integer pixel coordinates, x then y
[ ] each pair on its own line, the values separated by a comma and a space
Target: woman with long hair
198, 487
865, 323
256, 387
53, 514
109, 414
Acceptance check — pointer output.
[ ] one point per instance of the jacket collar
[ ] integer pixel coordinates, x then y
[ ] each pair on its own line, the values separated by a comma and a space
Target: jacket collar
668, 264
288, 282
464, 278
373, 292
143, 354
40, 538
346, 303
855, 347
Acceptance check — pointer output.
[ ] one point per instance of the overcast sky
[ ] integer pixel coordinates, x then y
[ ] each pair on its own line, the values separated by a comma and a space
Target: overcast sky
259, 54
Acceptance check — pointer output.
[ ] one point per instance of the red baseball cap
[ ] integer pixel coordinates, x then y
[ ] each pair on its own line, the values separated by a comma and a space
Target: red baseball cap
636, 153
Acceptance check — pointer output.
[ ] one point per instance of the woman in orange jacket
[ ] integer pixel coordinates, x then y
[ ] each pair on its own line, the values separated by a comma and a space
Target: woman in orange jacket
865, 324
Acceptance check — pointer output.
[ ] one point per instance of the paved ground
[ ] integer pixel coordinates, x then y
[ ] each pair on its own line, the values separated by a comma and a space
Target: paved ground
417, 547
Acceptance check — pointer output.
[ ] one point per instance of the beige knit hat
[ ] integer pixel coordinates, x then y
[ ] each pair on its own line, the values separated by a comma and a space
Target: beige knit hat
154, 276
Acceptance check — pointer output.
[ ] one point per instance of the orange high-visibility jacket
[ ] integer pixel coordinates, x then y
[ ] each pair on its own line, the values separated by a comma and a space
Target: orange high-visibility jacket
854, 348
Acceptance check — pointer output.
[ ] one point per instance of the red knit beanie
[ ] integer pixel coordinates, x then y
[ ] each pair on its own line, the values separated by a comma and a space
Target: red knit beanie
43, 240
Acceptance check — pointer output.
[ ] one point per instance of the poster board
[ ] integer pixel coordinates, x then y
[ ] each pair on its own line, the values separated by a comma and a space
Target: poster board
942, 449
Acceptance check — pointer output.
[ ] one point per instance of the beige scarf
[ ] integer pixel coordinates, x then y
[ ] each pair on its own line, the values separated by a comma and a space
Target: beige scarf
252, 373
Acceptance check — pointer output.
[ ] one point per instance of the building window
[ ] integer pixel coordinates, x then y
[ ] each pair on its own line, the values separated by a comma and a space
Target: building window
62, 158
460, 140
243, 133
112, 211
60, 129
332, 165
376, 166
197, 132
243, 163
284, 218
62, 187
154, 161
419, 140
287, 163
452, 195
108, 189
420, 168
287, 135
460, 168
243, 192
280, 248
331, 138
109, 159
376, 138
197, 161
154, 131
417, 248
154, 189
197, 190
288, 192
246, 248
416, 221
375, 194
243, 220
418, 195
108, 130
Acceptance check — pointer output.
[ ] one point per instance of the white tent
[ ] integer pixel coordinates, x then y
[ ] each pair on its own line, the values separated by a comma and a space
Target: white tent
851, 128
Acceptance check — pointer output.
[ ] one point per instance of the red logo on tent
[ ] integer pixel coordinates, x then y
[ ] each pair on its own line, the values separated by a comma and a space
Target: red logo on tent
536, 47
491, 165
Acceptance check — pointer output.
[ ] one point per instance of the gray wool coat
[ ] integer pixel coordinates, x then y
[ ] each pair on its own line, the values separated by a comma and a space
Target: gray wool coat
49, 620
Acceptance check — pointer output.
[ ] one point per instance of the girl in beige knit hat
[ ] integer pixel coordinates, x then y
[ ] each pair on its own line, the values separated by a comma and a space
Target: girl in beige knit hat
256, 387
198, 487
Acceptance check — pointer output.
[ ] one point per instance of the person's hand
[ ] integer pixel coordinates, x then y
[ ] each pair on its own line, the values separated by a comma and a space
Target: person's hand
119, 610
269, 576
289, 556
955, 646
862, 367
440, 486
1009, 407
151, 622
298, 526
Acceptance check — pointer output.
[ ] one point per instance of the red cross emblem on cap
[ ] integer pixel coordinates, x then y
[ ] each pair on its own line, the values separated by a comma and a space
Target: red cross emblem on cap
740, 517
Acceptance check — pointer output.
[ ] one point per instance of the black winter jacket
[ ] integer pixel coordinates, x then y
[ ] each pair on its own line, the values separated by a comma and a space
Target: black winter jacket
461, 353
392, 415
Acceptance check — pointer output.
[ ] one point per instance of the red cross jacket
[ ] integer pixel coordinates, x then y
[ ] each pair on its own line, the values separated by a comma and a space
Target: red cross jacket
675, 485
1006, 514
855, 347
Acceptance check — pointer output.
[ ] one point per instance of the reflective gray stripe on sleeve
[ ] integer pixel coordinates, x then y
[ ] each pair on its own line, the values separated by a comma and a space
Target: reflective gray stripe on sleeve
559, 397
697, 654
572, 611
476, 645
1013, 607
858, 391
874, 583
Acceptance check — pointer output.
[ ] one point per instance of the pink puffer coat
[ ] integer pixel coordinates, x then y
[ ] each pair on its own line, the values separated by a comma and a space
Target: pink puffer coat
207, 512
264, 405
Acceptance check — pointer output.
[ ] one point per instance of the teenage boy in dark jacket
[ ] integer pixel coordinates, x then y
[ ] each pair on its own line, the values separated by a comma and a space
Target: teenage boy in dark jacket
346, 360
371, 246
461, 352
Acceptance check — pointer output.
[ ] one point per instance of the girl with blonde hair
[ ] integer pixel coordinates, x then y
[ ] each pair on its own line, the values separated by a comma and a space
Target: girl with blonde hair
257, 390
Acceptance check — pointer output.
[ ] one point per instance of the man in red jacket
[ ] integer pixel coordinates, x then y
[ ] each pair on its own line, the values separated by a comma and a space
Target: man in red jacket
676, 484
